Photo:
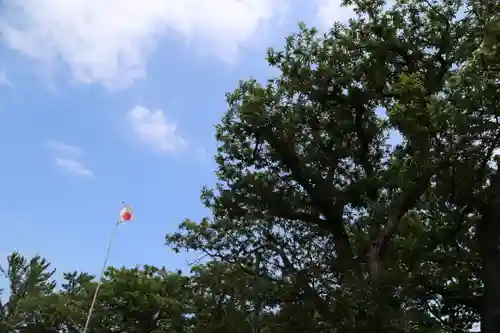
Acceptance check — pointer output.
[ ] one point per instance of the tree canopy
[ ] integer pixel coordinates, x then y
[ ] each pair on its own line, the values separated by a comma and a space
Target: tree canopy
358, 191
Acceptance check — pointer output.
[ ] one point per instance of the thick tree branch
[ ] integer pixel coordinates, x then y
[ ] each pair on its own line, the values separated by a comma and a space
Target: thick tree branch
471, 301
301, 216
397, 209
365, 141
321, 305
322, 195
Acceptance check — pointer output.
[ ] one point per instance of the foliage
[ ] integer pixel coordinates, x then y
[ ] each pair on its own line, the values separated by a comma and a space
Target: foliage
377, 235
323, 221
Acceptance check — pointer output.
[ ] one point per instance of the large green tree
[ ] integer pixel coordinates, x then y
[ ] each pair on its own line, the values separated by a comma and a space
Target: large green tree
375, 234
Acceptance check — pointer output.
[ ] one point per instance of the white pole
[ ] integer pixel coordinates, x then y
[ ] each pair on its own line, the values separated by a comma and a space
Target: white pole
100, 278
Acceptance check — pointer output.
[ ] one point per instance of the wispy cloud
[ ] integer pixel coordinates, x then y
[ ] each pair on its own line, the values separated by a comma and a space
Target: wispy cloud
74, 166
108, 41
4, 80
68, 158
154, 130
63, 148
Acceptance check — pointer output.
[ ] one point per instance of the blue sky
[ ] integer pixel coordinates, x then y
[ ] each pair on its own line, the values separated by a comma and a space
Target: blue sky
104, 101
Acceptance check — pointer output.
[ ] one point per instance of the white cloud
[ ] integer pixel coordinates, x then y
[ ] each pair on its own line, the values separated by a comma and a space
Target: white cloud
331, 11
63, 148
153, 129
107, 41
74, 166
68, 157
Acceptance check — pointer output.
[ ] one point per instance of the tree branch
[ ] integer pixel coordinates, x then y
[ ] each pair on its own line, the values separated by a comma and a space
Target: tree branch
398, 208
323, 196
321, 305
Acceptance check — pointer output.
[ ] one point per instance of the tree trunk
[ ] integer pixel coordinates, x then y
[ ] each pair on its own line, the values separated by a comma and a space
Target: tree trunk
489, 244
